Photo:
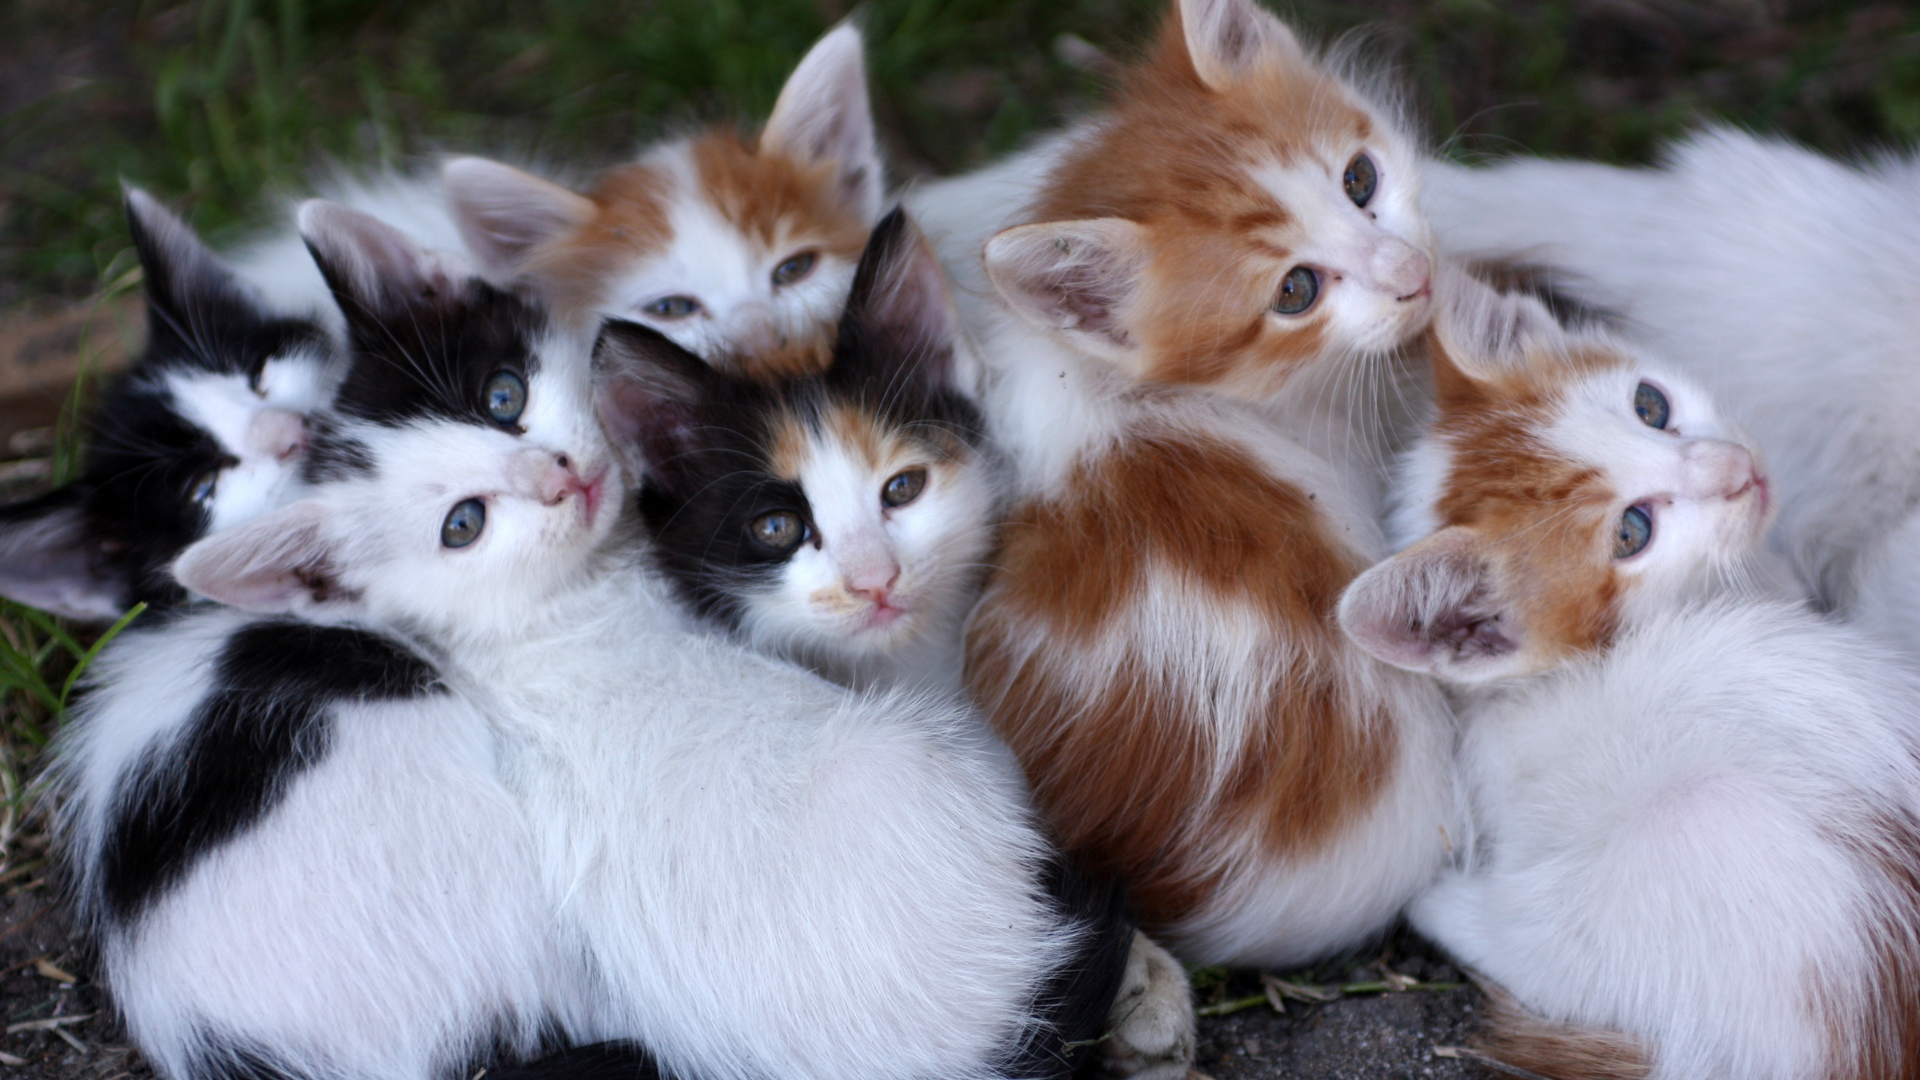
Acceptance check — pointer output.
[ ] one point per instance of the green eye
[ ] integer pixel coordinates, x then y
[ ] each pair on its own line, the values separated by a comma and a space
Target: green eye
1360, 179
203, 486
778, 532
794, 269
505, 397
1650, 405
1298, 290
672, 307
464, 523
1633, 532
904, 487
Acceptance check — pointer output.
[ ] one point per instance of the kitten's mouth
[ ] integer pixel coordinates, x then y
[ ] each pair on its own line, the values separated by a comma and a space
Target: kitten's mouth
884, 616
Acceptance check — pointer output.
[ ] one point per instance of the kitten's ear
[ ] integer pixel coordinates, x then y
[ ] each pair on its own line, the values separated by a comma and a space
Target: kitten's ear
373, 268
823, 116
186, 284
279, 563
1076, 277
1226, 39
1481, 332
1437, 607
50, 559
900, 324
648, 392
504, 214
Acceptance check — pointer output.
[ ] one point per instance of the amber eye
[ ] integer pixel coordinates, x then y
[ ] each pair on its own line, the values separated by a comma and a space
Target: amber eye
1298, 290
1633, 532
794, 269
672, 307
1360, 179
904, 487
203, 486
778, 532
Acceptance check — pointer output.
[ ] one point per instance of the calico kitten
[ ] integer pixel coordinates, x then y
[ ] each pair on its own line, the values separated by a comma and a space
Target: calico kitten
843, 518
1196, 481
1786, 282
1672, 783
738, 249
205, 430
753, 872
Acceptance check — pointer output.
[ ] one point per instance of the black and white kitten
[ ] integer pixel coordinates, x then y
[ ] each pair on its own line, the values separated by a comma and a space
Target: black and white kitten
203, 432
620, 829
840, 519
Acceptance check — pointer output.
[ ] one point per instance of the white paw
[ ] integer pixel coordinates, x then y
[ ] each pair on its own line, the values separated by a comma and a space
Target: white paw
1152, 1019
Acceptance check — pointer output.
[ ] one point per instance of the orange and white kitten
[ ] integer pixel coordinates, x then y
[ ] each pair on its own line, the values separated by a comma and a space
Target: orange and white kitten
1696, 844
730, 246
1172, 373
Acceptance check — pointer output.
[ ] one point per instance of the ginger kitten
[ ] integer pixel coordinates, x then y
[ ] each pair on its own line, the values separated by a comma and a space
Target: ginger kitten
730, 246
1671, 780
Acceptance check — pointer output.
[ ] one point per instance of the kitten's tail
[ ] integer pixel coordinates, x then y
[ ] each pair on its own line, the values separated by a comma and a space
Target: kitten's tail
1546, 1048
1074, 1003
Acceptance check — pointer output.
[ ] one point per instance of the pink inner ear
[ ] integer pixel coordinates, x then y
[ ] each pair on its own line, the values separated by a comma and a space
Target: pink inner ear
273, 564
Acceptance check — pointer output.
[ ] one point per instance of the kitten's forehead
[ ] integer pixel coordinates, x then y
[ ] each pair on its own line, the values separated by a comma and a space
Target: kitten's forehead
774, 200
431, 360
837, 435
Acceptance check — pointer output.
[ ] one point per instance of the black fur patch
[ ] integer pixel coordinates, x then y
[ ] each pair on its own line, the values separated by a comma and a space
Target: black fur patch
265, 722
1078, 997
597, 1061
430, 357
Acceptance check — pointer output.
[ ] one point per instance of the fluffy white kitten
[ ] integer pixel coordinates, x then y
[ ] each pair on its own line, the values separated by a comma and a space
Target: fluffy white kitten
1697, 845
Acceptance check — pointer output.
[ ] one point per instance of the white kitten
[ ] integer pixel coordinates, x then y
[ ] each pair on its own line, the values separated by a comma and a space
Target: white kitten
1697, 847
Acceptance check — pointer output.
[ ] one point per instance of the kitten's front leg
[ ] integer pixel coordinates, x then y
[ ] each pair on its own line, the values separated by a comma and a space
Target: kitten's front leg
1152, 1020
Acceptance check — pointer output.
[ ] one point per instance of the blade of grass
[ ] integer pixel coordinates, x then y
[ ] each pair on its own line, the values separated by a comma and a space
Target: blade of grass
81, 667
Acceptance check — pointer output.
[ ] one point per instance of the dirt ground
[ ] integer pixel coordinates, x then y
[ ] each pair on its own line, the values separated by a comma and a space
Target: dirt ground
58, 1025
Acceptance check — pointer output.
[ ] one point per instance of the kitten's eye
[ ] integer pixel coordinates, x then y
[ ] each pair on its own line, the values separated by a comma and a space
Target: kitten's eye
1360, 179
794, 269
203, 486
779, 532
1633, 532
505, 397
672, 307
1298, 290
904, 487
1650, 405
463, 524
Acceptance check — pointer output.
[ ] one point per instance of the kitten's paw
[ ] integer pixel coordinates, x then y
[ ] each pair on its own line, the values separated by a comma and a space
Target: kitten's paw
1152, 1019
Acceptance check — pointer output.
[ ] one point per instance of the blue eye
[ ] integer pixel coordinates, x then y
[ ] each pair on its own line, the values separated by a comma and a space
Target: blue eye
672, 307
793, 269
1633, 532
505, 397
203, 487
463, 524
1650, 405
1298, 290
1360, 179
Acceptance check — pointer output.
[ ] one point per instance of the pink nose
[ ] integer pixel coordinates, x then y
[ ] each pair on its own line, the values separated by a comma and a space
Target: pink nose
1401, 269
1723, 469
277, 433
874, 582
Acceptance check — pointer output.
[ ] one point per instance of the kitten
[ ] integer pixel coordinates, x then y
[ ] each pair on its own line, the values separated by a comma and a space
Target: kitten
842, 518
1170, 373
205, 430
755, 872
1785, 281
737, 249
1697, 812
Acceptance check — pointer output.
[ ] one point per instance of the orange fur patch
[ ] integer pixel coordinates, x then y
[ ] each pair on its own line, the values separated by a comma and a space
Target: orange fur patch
1172, 156
1548, 520
1129, 775
630, 221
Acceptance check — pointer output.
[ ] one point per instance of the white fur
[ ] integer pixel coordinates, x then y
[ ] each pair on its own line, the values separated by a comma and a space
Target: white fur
1787, 282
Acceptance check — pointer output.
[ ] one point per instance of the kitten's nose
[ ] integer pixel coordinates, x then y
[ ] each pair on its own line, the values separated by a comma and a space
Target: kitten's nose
1400, 268
277, 433
874, 580
1720, 469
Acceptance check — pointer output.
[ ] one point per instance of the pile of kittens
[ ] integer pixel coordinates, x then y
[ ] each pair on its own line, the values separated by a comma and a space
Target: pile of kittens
712, 625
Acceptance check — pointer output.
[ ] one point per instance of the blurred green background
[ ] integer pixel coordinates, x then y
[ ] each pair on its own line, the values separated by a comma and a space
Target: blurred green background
211, 102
